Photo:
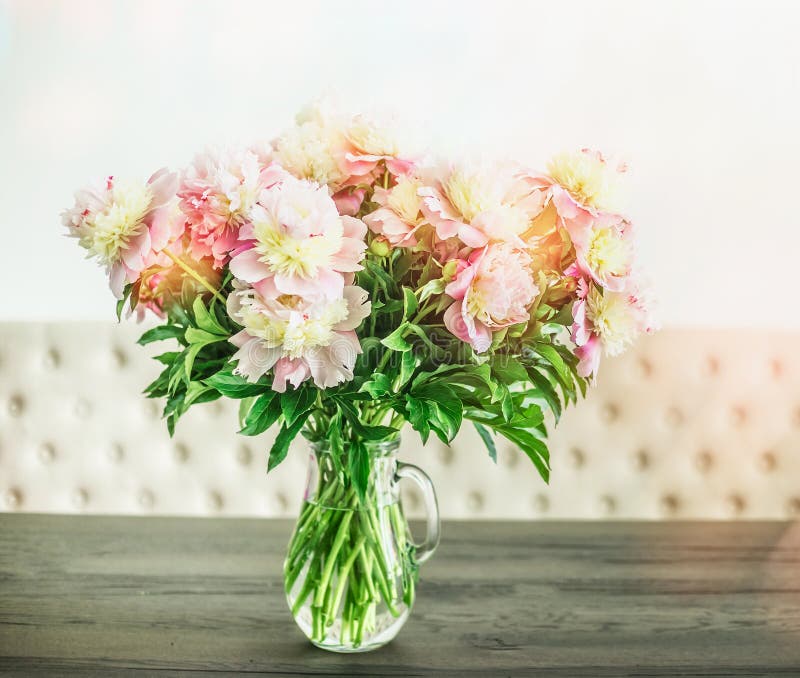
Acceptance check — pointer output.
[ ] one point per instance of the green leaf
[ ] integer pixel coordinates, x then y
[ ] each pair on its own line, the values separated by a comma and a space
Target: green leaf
235, 386
244, 407
422, 334
160, 333
444, 408
167, 358
552, 356
487, 439
508, 369
197, 392
379, 384
194, 335
447, 419
535, 449
336, 443
382, 278
126, 293
284, 438
408, 363
418, 415
205, 320
430, 288
359, 467
297, 401
546, 390
264, 413
198, 340
410, 304
396, 341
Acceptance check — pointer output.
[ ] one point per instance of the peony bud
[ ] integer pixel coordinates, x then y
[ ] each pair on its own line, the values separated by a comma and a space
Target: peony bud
449, 270
380, 246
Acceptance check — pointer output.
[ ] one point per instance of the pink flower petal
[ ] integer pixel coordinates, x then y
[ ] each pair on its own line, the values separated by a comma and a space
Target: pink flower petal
247, 266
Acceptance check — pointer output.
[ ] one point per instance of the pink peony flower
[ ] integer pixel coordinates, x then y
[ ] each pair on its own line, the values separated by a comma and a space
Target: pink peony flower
477, 204
580, 186
125, 224
604, 250
399, 215
494, 290
297, 239
367, 144
217, 192
297, 337
607, 322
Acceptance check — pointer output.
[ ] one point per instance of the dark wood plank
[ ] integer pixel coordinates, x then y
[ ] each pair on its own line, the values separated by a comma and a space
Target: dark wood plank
108, 596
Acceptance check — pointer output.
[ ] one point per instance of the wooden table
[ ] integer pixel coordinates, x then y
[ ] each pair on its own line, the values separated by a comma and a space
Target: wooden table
104, 596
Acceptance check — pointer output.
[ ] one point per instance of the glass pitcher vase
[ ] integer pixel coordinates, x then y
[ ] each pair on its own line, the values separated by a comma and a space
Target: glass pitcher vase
352, 565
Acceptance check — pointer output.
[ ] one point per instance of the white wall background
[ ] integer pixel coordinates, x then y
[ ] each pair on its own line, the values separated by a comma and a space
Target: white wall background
703, 98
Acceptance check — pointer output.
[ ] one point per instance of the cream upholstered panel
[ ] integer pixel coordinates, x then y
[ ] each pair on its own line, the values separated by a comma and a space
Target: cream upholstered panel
690, 424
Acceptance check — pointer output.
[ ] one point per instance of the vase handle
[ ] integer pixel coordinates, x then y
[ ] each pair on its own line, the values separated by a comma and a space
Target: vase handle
426, 549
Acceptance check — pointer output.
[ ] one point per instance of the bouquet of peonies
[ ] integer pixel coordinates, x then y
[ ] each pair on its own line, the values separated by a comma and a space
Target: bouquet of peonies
340, 288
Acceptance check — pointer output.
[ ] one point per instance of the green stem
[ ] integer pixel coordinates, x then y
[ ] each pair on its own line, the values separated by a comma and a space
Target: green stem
331, 562
344, 574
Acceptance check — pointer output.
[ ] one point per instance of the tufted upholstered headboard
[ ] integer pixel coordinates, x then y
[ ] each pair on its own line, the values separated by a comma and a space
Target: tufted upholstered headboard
690, 424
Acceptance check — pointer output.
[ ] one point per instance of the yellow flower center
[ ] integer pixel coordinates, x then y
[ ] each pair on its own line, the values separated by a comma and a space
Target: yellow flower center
588, 179
113, 228
404, 201
370, 138
612, 318
471, 191
608, 253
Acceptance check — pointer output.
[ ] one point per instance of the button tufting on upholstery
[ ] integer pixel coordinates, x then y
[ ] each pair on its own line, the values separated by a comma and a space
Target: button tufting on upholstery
704, 461
243, 455
736, 504
217, 408
577, 457
16, 405
215, 501
82, 408
767, 462
13, 498
118, 357
475, 501
541, 503
146, 499
608, 504
445, 454
151, 409
670, 504
674, 417
181, 452
610, 413
739, 415
47, 453
116, 452
606, 452
52, 359
80, 498
641, 460
644, 368
510, 456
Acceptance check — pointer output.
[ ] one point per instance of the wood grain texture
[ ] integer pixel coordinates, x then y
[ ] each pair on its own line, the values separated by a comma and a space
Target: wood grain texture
103, 596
